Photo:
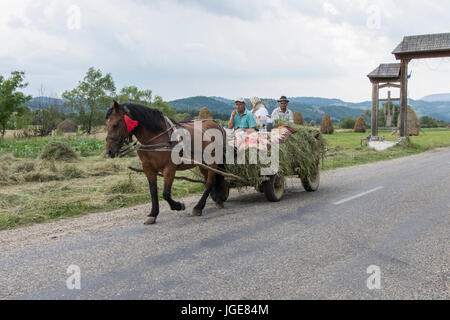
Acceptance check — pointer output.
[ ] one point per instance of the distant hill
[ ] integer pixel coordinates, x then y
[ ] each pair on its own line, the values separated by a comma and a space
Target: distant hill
39, 103
312, 108
196, 103
309, 110
437, 97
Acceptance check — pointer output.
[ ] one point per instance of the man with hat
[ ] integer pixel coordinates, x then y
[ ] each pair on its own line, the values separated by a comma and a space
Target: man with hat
282, 112
242, 119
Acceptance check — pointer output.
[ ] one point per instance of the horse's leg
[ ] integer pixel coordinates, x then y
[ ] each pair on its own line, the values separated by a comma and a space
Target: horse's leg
169, 177
198, 210
153, 183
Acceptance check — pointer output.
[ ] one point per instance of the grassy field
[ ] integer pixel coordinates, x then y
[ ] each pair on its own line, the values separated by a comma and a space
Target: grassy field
36, 191
346, 149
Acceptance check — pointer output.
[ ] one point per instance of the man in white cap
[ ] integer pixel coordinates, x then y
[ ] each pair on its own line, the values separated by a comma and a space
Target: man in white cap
242, 119
282, 112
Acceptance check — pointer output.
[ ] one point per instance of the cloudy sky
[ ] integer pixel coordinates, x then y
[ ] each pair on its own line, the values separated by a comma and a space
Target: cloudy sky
230, 48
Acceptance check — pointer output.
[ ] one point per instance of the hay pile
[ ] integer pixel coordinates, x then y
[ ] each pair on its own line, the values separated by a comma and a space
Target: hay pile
205, 114
412, 123
58, 151
360, 125
298, 119
326, 127
18, 172
68, 126
300, 155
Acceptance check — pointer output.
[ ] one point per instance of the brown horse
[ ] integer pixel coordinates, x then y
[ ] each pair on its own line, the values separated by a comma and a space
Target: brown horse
150, 127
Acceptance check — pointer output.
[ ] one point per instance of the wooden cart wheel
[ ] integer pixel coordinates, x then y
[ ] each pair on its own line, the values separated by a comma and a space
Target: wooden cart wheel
311, 184
223, 192
274, 188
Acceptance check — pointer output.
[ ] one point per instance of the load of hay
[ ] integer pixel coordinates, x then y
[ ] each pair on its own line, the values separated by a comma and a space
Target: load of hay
68, 126
300, 155
412, 123
326, 127
58, 151
205, 114
360, 125
298, 119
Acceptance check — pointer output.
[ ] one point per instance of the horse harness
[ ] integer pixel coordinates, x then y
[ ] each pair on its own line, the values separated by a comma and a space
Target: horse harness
148, 147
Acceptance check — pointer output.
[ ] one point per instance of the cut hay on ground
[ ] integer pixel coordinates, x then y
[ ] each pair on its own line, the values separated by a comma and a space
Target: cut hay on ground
300, 155
58, 151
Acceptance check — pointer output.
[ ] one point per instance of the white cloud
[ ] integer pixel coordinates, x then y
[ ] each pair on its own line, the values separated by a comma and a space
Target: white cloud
231, 48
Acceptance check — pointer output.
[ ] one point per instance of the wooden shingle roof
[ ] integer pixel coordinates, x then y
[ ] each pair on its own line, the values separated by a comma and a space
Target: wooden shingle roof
386, 72
424, 46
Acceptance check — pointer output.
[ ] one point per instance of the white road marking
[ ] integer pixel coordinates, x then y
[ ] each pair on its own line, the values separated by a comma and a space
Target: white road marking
358, 196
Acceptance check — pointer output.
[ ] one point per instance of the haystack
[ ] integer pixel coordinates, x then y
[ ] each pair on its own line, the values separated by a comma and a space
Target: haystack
205, 114
300, 155
68, 126
326, 127
412, 123
58, 151
360, 125
298, 119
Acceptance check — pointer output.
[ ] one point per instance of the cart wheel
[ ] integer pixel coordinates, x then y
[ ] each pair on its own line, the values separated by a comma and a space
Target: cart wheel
311, 184
223, 192
274, 188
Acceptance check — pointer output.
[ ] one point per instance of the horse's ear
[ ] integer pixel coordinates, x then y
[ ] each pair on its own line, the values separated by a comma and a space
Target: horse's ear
116, 106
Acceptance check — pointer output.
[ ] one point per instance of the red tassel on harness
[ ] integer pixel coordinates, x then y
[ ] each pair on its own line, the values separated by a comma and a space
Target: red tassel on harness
131, 124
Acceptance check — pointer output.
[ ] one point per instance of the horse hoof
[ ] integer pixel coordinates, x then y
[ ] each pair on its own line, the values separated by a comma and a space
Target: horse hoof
197, 213
220, 206
150, 221
182, 207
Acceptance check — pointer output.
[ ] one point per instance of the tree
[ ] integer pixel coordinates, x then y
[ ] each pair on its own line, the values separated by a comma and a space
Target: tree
164, 107
428, 122
91, 98
348, 123
11, 100
134, 95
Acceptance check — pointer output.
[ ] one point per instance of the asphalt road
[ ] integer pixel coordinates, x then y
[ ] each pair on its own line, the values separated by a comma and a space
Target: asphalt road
394, 215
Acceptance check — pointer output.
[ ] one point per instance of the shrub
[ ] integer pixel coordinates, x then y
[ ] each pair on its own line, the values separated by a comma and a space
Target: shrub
348, 123
58, 151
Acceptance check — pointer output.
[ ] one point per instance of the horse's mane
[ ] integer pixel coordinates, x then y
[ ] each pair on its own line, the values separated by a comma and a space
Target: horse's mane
152, 119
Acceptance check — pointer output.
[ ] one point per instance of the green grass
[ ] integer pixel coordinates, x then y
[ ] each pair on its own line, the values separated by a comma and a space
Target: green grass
32, 148
346, 149
36, 191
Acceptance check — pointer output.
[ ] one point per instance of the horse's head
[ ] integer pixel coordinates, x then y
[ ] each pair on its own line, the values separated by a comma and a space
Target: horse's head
120, 127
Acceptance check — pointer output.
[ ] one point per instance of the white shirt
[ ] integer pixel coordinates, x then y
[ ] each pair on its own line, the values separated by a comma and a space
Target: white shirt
278, 114
262, 115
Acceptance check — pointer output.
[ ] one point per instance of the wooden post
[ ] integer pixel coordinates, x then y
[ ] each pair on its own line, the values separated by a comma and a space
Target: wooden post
404, 98
375, 104
388, 114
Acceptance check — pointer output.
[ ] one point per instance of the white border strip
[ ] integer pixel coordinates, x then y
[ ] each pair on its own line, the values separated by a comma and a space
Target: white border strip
358, 196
